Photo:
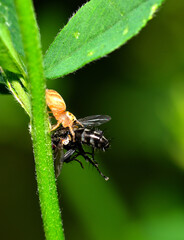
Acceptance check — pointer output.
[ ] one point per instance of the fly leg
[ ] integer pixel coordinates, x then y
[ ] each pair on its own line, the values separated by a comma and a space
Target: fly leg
72, 133
95, 165
74, 159
88, 159
92, 154
69, 158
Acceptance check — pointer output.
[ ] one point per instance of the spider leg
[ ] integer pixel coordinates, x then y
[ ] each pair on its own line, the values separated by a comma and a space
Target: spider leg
55, 126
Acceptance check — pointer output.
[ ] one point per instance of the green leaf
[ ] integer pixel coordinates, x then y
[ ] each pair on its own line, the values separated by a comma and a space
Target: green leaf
14, 83
97, 29
19, 93
10, 41
8, 17
1, 77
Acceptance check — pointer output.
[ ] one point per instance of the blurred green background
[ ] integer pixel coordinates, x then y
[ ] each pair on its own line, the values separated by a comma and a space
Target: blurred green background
141, 86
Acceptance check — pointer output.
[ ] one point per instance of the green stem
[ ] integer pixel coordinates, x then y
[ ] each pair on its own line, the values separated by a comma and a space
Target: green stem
39, 122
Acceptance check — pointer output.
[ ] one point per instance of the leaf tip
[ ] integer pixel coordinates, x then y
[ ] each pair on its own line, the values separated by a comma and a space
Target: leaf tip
153, 10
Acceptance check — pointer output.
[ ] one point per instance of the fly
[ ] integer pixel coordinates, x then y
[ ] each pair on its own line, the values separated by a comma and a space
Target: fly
85, 135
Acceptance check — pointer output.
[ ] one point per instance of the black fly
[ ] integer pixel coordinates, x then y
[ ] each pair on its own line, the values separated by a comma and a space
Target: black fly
62, 139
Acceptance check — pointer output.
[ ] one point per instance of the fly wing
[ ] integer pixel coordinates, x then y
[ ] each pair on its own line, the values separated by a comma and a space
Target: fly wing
68, 154
94, 120
58, 159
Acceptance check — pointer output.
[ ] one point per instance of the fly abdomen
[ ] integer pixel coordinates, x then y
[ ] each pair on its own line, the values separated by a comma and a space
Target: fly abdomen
94, 138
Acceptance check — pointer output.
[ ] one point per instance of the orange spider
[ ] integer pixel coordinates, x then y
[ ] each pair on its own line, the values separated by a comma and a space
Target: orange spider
58, 108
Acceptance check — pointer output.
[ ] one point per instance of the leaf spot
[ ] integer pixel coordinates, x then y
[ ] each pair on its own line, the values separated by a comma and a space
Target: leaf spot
90, 53
7, 23
144, 21
153, 10
76, 35
125, 31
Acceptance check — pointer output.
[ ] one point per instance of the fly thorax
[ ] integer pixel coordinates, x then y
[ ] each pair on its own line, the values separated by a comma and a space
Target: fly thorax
86, 136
